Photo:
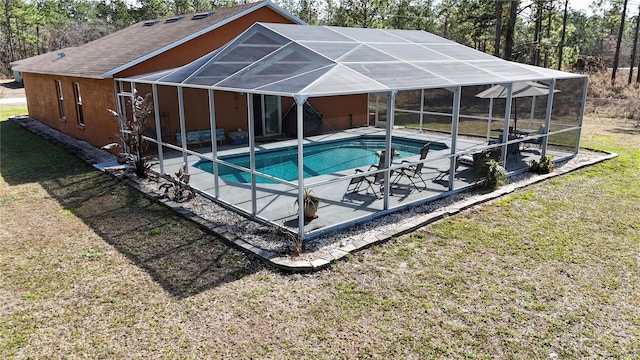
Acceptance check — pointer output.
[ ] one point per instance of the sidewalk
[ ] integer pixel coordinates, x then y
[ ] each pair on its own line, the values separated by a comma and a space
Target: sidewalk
21, 100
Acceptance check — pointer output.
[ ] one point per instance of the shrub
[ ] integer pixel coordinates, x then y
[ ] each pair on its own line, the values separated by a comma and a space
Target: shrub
544, 166
492, 174
297, 244
178, 189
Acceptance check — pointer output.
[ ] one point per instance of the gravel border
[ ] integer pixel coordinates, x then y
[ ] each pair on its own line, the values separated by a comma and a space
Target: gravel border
269, 243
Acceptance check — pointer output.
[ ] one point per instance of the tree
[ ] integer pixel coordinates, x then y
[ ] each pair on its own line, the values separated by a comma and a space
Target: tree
115, 12
409, 14
564, 30
499, 7
634, 52
151, 9
537, 32
8, 29
618, 42
306, 10
513, 13
549, 18
362, 13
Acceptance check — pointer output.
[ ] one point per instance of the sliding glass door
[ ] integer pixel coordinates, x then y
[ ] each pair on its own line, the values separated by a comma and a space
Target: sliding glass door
267, 115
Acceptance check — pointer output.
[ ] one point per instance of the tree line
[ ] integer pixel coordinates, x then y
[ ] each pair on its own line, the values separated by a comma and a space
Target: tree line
540, 32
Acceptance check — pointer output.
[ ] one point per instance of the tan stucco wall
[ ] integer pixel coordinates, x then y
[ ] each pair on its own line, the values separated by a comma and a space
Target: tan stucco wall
97, 96
338, 112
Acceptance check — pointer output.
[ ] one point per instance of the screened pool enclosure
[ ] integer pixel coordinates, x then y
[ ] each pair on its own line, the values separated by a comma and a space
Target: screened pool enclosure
313, 99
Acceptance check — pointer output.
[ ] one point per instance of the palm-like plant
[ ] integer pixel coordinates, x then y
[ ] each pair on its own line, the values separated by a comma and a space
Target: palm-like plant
131, 134
310, 203
492, 174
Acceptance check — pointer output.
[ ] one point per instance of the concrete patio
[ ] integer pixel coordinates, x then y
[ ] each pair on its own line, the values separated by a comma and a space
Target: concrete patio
275, 203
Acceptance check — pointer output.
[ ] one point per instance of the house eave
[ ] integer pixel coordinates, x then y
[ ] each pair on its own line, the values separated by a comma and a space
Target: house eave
29, 71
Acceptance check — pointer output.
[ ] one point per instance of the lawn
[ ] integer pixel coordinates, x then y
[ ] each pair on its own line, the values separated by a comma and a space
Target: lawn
93, 269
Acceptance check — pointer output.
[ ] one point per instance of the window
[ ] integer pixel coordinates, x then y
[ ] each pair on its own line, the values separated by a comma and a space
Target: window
60, 99
76, 88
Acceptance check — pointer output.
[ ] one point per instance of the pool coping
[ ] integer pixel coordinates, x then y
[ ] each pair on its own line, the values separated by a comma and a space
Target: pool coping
290, 264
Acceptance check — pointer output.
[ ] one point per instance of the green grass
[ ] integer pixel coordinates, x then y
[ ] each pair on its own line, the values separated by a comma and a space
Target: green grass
92, 269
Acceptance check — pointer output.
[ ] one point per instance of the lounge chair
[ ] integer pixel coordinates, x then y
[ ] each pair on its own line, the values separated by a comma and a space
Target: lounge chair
370, 180
482, 156
412, 172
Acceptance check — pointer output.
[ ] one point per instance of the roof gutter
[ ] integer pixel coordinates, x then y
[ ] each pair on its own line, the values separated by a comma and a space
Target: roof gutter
84, 76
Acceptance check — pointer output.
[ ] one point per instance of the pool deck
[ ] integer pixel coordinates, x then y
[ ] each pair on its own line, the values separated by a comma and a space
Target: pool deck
338, 208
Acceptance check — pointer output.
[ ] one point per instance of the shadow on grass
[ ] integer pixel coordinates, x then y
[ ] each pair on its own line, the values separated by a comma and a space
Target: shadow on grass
634, 131
182, 257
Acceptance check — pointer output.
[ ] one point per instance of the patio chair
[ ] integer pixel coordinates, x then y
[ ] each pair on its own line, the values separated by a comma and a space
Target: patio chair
538, 141
370, 180
445, 172
512, 149
412, 172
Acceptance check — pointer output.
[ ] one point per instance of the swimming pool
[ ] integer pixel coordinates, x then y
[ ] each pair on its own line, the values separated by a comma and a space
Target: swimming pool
319, 159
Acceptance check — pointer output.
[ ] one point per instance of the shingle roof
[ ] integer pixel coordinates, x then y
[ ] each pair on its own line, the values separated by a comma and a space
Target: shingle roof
122, 49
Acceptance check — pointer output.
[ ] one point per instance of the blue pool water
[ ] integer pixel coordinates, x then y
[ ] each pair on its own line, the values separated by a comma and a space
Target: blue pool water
319, 159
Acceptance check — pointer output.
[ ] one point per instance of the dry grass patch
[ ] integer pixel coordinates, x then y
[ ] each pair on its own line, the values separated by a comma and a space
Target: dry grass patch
91, 269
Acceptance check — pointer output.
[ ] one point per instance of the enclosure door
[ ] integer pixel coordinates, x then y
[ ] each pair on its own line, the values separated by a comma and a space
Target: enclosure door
377, 110
267, 115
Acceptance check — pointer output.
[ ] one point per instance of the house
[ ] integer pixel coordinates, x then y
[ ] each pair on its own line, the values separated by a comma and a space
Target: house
71, 89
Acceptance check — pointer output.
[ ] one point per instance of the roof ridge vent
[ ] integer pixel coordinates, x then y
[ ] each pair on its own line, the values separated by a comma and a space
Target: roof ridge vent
173, 19
151, 23
203, 15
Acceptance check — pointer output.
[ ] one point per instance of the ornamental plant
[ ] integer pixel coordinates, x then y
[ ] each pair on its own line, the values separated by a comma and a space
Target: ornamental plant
131, 134
544, 166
